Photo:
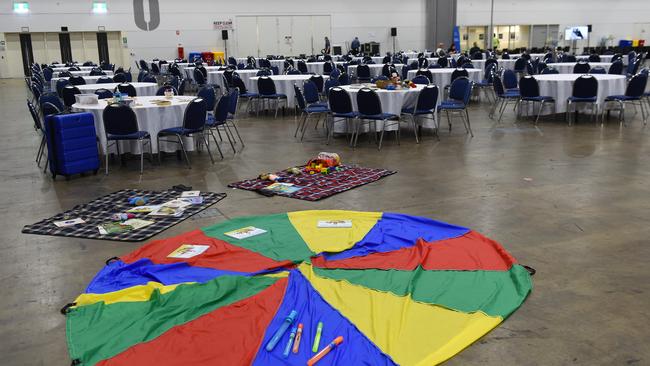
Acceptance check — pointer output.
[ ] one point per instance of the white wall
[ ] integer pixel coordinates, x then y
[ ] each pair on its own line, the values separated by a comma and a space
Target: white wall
622, 19
369, 20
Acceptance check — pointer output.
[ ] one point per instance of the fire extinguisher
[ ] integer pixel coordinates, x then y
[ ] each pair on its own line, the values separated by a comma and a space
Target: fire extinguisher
181, 52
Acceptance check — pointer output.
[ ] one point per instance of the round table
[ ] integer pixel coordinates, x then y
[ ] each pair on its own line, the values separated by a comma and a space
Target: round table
442, 77
151, 118
142, 89
284, 85
216, 78
189, 71
65, 68
85, 73
392, 101
560, 87
375, 70
603, 58
164, 68
319, 67
88, 79
567, 67
506, 64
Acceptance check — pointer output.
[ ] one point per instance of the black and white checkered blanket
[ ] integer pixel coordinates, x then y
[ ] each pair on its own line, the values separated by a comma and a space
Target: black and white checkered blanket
100, 210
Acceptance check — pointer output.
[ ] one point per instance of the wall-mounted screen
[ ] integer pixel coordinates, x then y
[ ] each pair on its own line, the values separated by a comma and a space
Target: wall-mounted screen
576, 33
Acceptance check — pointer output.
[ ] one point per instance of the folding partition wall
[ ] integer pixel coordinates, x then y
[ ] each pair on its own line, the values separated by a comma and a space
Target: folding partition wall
281, 35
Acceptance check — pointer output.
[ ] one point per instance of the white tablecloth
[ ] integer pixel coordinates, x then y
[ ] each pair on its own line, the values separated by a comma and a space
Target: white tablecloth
506, 64
284, 85
375, 70
603, 58
151, 118
216, 78
442, 77
85, 73
319, 67
278, 63
89, 80
142, 89
560, 87
189, 71
567, 67
181, 65
392, 101
65, 68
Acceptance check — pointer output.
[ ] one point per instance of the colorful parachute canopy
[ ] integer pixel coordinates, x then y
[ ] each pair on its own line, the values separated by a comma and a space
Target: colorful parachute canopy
401, 290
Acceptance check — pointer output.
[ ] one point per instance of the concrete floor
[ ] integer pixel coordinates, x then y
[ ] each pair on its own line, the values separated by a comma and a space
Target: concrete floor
582, 222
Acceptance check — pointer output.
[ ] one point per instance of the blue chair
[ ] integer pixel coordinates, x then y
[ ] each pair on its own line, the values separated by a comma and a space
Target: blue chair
405, 71
54, 100
503, 97
426, 105
69, 91
149, 79
306, 111
340, 105
520, 65
194, 123
421, 80
198, 76
581, 68
119, 78
597, 70
363, 73
302, 67
162, 89
97, 72
344, 79
529, 93
370, 110
38, 126
233, 104
458, 99
267, 91
311, 94
329, 84
209, 96
220, 122
121, 123
141, 75
319, 81
426, 73
378, 78
633, 67
509, 79
238, 83
105, 80
585, 90
126, 88
634, 94
334, 74
104, 93
77, 80
443, 62
593, 58
486, 83
616, 68
47, 74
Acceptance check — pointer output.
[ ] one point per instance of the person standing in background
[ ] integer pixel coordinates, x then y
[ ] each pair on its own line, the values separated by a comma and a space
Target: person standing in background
475, 48
495, 42
355, 46
327, 46
440, 51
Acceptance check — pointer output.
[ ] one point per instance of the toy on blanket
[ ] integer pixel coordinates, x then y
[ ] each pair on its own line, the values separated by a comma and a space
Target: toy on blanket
122, 216
138, 200
324, 163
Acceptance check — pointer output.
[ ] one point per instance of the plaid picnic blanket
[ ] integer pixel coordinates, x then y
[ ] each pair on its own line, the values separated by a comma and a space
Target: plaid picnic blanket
317, 186
100, 210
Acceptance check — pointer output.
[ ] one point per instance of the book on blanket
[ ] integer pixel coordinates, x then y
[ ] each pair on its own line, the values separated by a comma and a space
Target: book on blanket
287, 188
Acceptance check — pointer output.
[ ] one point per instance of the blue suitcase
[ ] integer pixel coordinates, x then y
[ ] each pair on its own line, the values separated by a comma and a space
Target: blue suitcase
71, 144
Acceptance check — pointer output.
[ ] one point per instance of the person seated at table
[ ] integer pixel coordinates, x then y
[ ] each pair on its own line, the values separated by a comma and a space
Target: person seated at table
326, 50
355, 46
440, 51
475, 48
452, 49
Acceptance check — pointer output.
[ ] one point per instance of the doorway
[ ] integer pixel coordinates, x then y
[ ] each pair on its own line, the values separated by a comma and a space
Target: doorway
27, 52
66, 49
102, 47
